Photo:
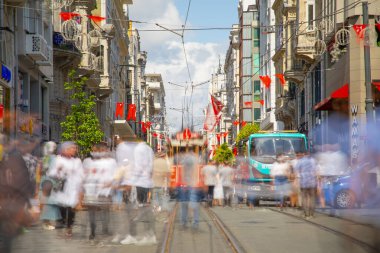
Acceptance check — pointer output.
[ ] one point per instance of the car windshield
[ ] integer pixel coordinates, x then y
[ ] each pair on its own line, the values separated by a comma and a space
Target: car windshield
265, 150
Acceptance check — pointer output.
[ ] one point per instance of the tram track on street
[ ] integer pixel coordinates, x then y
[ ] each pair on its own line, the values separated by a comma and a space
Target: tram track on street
364, 245
214, 223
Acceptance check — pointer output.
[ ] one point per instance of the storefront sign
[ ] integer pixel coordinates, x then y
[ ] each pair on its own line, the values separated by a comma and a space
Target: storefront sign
354, 133
6, 74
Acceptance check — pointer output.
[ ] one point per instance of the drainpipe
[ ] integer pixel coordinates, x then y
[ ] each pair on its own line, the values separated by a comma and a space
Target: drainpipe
15, 70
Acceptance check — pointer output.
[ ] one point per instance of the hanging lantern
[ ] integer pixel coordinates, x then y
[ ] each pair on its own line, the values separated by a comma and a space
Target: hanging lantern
320, 47
55, 4
326, 26
94, 38
342, 37
67, 2
70, 30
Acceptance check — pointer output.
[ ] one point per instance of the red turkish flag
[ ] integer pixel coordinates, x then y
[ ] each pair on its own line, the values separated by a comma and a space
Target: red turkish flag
148, 124
266, 81
377, 85
119, 109
243, 123
225, 134
131, 112
236, 123
154, 134
186, 134
96, 19
1, 112
358, 29
68, 15
143, 127
282, 78
248, 103
213, 114
261, 101
218, 135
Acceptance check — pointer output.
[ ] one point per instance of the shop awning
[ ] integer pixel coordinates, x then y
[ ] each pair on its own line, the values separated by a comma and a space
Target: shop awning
123, 130
327, 103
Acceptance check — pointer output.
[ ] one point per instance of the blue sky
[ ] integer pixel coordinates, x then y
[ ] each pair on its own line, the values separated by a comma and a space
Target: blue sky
165, 51
210, 13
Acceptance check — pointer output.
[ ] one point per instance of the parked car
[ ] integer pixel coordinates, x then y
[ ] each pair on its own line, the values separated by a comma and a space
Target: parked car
351, 190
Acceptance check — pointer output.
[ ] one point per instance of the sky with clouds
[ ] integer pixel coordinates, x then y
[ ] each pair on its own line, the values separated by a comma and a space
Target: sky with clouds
203, 48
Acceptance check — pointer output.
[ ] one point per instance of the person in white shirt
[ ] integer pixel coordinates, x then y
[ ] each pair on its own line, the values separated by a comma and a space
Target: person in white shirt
226, 174
280, 173
209, 173
99, 170
68, 170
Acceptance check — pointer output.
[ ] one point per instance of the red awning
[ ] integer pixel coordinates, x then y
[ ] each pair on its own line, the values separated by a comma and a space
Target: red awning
327, 103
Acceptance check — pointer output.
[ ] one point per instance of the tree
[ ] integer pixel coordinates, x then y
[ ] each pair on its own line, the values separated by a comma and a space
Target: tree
224, 154
81, 125
246, 131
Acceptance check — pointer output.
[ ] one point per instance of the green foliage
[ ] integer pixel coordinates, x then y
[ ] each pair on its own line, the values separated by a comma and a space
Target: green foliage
82, 124
246, 131
224, 154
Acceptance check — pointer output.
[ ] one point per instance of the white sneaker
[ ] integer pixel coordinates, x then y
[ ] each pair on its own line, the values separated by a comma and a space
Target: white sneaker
116, 238
129, 240
147, 240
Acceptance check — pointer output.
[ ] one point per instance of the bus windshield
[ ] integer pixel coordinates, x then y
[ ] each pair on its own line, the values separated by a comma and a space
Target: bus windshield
265, 149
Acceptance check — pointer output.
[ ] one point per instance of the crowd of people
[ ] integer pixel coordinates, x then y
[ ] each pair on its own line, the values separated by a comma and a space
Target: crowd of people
64, 183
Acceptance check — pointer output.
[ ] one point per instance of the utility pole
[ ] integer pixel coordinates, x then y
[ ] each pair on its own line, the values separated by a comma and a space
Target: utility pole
367, 68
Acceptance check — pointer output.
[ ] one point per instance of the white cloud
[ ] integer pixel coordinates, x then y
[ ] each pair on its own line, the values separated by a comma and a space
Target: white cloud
166, 56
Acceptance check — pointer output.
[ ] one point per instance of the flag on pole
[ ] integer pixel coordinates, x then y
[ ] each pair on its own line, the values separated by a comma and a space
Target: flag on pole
213, 114
131, 112
119, 110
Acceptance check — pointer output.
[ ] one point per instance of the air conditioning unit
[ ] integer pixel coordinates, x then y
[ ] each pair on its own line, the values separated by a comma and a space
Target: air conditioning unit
36, 47
49, 61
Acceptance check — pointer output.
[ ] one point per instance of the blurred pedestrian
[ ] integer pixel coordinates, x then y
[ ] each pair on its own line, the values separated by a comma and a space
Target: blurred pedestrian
68, 172
142, 178
123, 182
218, 190
99, 170
307, 171
161, 176
226, 175
189, 195
16, 190
280, 174
209, 173
50, 213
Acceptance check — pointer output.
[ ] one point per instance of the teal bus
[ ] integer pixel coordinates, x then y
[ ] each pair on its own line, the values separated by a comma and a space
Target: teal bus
262, 149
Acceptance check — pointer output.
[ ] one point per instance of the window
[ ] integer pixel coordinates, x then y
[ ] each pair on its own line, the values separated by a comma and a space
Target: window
257, 90
247, 67
247, 115
247, 50
247, 33
256, 37
256, 64
247, 88
257, 114
247, 18
310, 16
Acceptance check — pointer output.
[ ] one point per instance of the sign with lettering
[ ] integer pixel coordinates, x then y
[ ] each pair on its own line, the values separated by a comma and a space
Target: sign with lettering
5, 73
354, 133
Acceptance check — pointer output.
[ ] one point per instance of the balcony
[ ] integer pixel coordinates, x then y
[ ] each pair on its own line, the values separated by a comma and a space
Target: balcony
296, 72
36, 47
154, 85
157, 106
16, 2
305, 48
64, 49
